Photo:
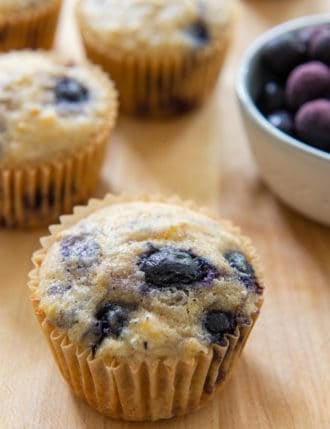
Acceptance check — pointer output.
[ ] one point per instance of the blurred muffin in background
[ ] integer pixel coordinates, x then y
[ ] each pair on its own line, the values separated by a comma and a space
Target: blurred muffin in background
55, 121
164, 55
28, 23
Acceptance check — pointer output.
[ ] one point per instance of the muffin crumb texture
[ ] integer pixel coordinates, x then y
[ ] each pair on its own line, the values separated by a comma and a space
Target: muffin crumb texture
166, 24
49, 107
148, 280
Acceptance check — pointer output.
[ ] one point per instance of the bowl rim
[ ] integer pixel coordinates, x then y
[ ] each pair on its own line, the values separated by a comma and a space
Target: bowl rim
245, 97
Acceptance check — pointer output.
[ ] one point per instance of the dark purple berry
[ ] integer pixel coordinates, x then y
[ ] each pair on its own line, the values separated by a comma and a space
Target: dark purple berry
283, 53
282, 120
199, 31
305, 35
312, 124
307, 82
112, 318
80, 251
68, 90
109, 321
218, 323
272, 97
319, 46
238, 261
167, 267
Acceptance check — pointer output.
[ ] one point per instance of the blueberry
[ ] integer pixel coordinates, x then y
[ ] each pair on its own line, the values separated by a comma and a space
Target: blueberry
238, 261
112, 318
218, 323
319, 46
80, 251
199, 31
58, 288
307, 82
68, 90
312, 123
282, 120
109, 321
168, 266
272, 97
283, 53
305, 35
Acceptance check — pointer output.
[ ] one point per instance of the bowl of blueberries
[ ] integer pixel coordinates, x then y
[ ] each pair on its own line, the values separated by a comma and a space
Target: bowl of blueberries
283, 88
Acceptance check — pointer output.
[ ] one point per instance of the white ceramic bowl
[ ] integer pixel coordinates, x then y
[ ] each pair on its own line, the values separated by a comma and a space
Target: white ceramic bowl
297, 173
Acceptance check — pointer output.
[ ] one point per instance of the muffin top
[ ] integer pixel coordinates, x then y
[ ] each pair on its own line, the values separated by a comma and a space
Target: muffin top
148, 278
8, 6
151, 24
50, 107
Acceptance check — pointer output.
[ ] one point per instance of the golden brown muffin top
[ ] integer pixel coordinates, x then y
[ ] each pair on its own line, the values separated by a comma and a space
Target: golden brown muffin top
148, 278
50, 107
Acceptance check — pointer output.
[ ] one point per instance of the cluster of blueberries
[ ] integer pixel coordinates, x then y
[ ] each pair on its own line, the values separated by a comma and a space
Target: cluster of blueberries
165, 267
296, 96
168, 267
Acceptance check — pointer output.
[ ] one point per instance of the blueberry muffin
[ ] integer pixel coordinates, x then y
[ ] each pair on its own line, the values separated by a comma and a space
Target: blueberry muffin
164, 55
55, 121
146, 303
28, 23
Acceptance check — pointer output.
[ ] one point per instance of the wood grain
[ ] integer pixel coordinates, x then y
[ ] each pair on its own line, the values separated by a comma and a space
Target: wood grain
283, 379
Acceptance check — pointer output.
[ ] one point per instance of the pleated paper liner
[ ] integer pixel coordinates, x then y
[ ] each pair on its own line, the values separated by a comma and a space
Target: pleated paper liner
38, 195
151, 389
152, 84
33, 28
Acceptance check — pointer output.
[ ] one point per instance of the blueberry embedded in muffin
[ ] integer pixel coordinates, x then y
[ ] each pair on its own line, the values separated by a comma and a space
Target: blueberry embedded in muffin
58, 288
168, 266
80, 251
238, 261
69, 90
199, 31
219, 323
109, 321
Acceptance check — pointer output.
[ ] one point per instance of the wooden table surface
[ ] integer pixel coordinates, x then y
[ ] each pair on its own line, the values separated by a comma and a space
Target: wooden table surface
283, 379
